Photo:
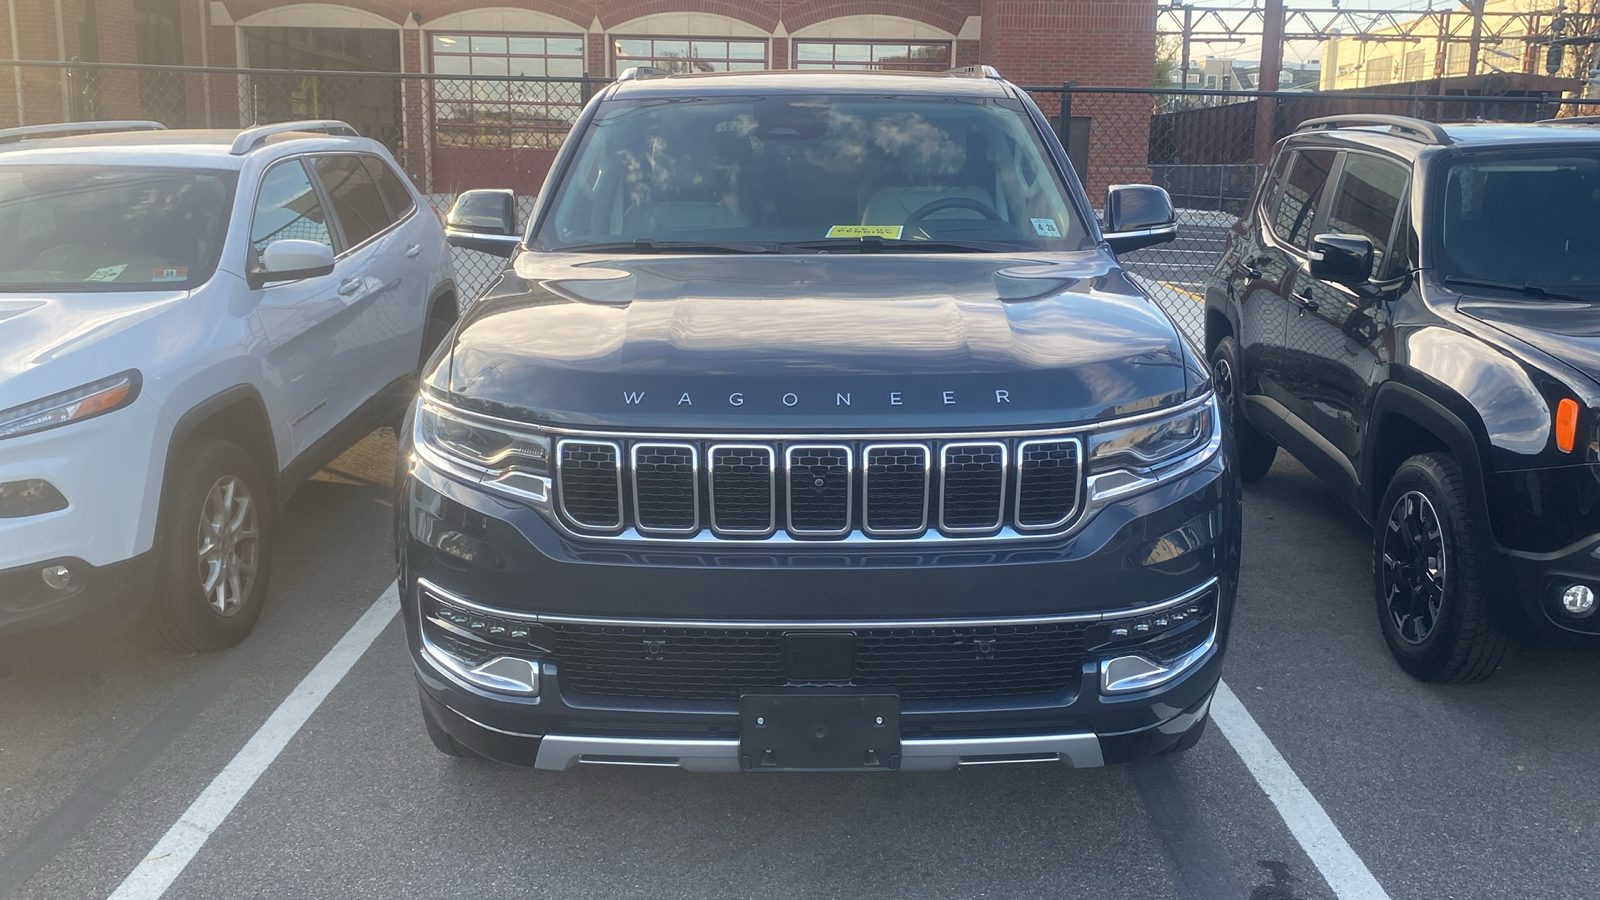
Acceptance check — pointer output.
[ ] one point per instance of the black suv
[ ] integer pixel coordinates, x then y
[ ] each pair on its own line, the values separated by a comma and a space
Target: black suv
1411, 310
813, 426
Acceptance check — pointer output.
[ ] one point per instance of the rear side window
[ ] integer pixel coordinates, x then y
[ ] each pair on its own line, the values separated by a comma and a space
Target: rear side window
1301, 195
287, 207
356, 201
1370, 191
391, 186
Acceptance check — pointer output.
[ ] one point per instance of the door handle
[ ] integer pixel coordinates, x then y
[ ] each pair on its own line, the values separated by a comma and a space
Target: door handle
349, 286
413, 250
1306, 303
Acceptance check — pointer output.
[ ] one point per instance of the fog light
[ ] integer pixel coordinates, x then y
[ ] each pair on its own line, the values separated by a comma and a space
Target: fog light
57, 578
1578, 600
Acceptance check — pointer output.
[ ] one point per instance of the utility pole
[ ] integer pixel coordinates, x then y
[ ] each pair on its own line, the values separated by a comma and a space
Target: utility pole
1477, 33
1267, 80
1188, 32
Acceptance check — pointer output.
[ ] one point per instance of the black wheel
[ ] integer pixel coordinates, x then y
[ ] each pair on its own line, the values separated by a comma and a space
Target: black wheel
1429, 593
1256, 450
443, 741
215, 549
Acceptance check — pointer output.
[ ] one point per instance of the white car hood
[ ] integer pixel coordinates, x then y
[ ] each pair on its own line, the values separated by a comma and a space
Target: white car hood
43, 329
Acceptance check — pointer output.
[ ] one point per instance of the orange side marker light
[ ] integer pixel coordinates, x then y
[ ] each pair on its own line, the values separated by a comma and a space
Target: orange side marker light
1566, 425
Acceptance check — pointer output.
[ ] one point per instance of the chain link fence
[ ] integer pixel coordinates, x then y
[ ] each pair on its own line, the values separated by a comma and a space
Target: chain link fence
452, 133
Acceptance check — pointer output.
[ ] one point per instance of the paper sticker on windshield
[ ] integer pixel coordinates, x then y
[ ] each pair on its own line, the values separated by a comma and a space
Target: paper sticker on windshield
1046, 228
108, 273
891, 232
171, 273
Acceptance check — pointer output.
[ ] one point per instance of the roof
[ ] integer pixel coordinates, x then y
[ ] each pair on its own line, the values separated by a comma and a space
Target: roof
1463, 136
817, 81
187, 148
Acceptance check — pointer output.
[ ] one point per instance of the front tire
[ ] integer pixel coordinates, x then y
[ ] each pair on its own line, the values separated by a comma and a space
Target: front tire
1426, 579
1256, 450
216, 549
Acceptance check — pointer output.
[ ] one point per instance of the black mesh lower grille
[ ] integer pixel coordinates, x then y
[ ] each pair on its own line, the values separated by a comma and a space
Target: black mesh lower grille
741, 489
896, 488
819, 489
590, 490
1047, 482
974, 486
666, 495
919, 664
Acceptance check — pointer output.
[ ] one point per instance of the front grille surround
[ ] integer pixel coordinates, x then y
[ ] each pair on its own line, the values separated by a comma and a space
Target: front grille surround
588, 493
981, 463
659, 464
869, 459
731, 516
1067, 455
819, 463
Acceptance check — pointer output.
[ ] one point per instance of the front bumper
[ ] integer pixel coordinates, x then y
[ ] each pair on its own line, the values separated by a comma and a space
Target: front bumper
113, 596
1147, 551
1529, 586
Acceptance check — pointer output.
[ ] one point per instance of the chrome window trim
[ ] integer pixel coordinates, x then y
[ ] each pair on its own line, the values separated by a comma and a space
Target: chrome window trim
849, 490
561, 487
944, 489
772, 488
694, 476
866, 489
1188, 596
1077, 484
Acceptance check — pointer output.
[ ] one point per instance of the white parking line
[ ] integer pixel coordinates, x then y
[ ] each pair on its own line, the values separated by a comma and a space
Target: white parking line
168, 858
1344, 871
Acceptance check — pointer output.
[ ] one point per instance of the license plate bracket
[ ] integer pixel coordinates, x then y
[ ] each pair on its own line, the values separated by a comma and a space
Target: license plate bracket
819, 732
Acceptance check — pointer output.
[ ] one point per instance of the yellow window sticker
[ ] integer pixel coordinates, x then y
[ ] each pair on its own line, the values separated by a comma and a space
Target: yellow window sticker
892, 232
108, 273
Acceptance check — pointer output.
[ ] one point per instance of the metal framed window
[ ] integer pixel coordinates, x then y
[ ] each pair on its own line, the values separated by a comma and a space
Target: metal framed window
495, 110
689, 54
924, 56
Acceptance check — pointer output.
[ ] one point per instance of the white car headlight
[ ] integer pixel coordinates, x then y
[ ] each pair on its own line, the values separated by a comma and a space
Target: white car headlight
500, 458
97, 399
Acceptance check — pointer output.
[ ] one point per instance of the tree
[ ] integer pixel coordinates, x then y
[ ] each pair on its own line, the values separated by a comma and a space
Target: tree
1166, 63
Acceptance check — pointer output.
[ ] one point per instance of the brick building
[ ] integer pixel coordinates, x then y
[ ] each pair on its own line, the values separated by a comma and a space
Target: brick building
462, 131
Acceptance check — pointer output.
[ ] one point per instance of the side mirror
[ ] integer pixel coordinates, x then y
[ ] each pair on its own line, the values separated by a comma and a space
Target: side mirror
1138, 216
1341, 259
484, 220
291, 260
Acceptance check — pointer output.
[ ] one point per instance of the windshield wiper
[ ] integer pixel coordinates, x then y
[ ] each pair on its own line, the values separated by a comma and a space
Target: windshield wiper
651, 245
1532, 290
879, 245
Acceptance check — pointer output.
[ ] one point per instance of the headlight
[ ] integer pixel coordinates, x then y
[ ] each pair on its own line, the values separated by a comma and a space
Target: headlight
75, 405
515, 463
1153, 442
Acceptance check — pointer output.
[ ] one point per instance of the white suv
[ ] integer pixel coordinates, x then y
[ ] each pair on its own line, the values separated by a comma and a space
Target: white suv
191, 324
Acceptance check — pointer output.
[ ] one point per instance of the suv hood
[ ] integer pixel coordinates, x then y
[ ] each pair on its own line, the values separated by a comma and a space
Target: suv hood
37, 329
1568, 331
811, 342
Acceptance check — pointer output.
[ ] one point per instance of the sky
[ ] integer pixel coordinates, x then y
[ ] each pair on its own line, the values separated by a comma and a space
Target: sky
1296, 51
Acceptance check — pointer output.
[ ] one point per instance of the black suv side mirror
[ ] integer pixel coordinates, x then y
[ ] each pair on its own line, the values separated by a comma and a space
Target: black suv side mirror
484, 220
1138, 216
1341, 258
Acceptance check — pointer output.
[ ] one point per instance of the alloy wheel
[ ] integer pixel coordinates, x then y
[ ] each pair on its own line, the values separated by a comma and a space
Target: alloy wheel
229, 544
1413, 567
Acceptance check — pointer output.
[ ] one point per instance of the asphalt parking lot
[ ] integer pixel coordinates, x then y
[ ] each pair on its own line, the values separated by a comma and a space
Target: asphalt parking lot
1438, 792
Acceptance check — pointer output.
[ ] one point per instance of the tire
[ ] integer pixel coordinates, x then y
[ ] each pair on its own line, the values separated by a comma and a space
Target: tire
215, 542
1426, 552
1256, 450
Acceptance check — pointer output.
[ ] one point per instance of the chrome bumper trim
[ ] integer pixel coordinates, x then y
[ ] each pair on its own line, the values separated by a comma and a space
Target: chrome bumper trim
563, 751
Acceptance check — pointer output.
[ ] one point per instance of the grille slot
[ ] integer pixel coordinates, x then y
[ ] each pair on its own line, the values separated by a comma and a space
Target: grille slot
974, 487
1047, 482
744, 490
819, 489
666, 489
590, 478
895, 489
920, 663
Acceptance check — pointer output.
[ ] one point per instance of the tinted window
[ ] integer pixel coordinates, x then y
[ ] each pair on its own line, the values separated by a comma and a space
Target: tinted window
356, 201
1522, 218
1369, 197
287, 207
110, 228
390, 185
1274, 180
1301, 195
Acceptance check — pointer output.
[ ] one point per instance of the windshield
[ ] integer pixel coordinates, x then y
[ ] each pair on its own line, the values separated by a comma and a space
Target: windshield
812, 170
1523, 219
110, 228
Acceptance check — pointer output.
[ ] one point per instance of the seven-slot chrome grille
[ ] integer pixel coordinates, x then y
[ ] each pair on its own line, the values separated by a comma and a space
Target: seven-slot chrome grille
818, 489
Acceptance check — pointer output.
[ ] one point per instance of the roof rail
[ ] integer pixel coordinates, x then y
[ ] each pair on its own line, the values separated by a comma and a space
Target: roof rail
1570, 120
13, 135
1404, 126
974, 72
250, 137
633, 73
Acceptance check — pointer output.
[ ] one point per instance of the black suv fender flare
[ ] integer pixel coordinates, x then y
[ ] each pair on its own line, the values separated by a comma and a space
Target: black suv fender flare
1432, 416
